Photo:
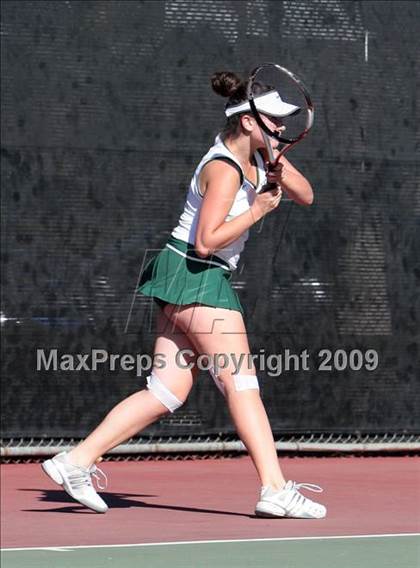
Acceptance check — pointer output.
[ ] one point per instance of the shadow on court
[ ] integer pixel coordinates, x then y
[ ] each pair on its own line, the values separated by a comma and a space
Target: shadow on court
115, 501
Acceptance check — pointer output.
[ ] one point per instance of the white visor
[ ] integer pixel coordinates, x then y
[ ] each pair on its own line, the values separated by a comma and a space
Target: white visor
269, 103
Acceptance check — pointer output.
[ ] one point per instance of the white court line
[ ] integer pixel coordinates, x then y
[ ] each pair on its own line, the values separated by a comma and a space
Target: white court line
55, 549
285, 538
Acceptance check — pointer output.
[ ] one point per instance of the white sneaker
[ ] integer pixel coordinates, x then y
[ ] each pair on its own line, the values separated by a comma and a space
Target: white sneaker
76, 480
289, 502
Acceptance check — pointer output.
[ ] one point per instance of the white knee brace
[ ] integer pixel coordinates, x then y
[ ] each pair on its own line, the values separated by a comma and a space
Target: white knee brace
241, 382
245, 382
162, 393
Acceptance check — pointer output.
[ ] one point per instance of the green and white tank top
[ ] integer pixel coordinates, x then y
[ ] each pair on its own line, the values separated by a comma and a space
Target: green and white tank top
187, 224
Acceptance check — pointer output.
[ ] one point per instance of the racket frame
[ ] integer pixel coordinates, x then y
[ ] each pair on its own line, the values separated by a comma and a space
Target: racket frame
266, 132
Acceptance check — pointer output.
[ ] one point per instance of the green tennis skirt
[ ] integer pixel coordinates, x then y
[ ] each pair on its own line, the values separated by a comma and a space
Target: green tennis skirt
177, 275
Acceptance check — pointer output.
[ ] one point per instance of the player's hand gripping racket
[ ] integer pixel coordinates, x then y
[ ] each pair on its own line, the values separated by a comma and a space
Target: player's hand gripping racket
289, 100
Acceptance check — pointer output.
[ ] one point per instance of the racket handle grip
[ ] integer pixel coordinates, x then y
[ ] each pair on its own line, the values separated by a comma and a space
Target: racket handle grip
268, 187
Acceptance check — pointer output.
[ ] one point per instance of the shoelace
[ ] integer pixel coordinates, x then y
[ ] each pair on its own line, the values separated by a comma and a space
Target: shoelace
94, 471
308, 486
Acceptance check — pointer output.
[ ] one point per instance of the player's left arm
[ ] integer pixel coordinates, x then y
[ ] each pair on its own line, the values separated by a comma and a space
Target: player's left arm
292, 181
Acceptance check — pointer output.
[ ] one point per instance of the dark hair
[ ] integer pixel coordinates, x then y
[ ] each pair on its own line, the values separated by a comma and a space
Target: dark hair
228, 84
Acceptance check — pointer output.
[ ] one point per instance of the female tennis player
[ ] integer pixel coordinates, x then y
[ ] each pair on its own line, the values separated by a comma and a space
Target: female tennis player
200, 312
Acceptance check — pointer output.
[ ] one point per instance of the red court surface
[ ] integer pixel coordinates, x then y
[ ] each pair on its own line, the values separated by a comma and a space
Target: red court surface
208, 500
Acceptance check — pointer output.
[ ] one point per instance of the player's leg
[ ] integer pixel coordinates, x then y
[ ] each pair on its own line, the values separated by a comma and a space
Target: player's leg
142, 408
216, 331
167, 389
221, 331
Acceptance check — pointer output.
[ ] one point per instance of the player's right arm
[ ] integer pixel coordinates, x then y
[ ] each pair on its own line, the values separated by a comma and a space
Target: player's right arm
219, 184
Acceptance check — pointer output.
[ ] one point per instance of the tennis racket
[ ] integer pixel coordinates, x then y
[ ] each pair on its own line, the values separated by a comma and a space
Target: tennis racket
296, 104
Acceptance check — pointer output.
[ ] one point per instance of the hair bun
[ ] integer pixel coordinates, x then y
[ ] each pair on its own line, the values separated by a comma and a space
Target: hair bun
225, 83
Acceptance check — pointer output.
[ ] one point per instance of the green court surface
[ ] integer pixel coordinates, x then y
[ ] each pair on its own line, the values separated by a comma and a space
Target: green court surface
382, 551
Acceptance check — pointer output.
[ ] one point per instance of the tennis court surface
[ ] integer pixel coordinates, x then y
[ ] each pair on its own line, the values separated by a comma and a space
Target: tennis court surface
200, 513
